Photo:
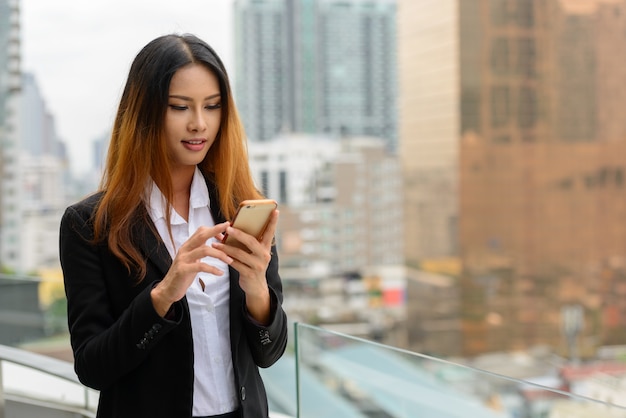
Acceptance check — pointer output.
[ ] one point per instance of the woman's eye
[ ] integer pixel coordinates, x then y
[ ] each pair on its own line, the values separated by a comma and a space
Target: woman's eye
213, 106
178, 107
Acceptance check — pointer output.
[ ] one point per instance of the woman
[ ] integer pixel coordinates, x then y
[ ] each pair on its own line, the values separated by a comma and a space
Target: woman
165, 320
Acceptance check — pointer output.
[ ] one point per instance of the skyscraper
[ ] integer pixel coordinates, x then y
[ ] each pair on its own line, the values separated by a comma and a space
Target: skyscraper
430, 123
38, 131
316, 66
261, 66
514, 155
9, 128
41, 171
31, 161
9, 54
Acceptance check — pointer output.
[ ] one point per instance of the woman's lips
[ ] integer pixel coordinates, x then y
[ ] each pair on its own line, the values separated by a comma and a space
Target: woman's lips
194, 144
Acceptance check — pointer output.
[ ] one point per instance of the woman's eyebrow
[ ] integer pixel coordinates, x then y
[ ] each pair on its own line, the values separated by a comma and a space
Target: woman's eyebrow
181, 97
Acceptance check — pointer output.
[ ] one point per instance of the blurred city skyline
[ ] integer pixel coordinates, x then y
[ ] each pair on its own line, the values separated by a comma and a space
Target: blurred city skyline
510, 142
80, 52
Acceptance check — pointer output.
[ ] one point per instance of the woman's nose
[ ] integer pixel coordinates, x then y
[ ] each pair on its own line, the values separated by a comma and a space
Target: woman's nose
197, 122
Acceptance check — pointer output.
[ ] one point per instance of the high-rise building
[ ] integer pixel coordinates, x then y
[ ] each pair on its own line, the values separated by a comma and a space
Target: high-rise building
32, 161
9, 129
38, 167
322, 66
38, 131
430, 123
514, 158
261, 66
9, 56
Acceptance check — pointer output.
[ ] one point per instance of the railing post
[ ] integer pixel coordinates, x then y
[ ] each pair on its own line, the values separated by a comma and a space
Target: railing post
2, 405
297, 367
86, 394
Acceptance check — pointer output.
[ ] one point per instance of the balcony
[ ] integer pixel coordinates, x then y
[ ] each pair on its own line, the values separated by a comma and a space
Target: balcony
330, 374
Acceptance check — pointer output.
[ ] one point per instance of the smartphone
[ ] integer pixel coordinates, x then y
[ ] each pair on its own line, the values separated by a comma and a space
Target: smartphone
252, 217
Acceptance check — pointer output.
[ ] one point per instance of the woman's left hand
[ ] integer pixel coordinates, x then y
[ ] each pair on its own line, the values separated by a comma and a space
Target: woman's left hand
252, 267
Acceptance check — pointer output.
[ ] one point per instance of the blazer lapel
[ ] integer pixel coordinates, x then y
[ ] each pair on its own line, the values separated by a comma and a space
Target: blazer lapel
150, 244
214, 201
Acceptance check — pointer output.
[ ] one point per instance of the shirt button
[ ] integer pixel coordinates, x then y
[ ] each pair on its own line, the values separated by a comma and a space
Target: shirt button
243, 393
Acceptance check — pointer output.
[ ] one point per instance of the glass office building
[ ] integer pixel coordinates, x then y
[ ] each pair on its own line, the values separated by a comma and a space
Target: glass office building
324, 66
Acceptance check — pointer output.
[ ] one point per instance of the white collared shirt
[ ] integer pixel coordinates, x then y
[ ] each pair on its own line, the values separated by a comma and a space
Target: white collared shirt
214, 383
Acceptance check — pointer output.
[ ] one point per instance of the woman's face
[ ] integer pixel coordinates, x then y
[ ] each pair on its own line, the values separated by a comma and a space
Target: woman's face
193, 115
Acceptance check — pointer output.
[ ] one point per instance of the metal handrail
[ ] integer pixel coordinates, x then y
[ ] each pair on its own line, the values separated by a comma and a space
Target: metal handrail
2, 407
48, 365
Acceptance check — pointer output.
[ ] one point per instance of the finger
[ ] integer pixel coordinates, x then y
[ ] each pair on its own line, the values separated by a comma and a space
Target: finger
184, 274
270, 231
202, 235
231, 251
244, 238
186, 270
256, 260
245, 270
180, 277
205, 251
210, 269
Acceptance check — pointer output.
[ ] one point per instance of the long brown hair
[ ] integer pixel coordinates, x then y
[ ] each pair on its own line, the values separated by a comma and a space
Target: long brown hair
137, 151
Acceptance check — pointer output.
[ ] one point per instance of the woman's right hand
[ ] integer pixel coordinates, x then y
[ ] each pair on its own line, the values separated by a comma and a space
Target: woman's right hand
186, 265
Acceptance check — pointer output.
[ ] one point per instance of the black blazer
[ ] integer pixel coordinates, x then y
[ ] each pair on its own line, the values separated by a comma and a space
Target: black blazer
142, 364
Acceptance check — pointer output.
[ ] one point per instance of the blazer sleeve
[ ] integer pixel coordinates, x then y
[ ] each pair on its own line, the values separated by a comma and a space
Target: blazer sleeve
268, 342
106, 344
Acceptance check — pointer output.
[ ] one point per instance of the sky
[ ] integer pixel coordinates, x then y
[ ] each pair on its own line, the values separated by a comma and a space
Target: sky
80, 53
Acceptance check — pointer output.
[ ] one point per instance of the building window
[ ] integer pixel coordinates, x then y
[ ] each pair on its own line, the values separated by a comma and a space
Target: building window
527, 108
524, 13
526, 57
500, 108
499, 12
500, 55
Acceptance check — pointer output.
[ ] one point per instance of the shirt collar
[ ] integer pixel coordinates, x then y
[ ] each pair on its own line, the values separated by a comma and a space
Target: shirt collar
199, 193
156, 201
199, 196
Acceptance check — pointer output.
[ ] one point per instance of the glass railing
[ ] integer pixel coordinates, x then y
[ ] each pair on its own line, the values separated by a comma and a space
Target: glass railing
366, 379
328, 374
30, 381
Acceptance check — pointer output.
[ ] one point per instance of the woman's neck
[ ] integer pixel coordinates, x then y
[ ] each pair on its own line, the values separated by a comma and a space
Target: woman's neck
181, 187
